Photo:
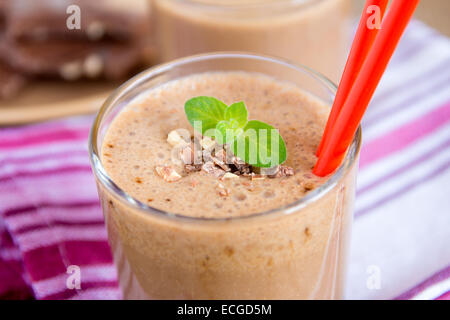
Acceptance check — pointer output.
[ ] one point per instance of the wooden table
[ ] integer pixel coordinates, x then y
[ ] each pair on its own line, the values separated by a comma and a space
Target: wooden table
44, 100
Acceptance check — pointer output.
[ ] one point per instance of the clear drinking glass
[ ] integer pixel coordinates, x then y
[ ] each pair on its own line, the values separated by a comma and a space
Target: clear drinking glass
314, 33
298, 251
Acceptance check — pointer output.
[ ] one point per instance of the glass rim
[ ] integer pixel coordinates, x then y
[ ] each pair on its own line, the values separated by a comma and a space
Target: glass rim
309, 198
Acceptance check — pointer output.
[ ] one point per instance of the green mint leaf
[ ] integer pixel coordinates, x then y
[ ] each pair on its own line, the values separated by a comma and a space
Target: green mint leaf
235, 119
237, 112
227, 131
260, 145
207, 110
255, 142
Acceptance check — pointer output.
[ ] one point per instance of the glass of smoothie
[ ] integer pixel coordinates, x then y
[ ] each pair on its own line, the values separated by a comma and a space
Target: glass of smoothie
191, 234
314, 33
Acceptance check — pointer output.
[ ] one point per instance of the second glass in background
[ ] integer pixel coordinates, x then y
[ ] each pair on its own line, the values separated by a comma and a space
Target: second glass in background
310, 32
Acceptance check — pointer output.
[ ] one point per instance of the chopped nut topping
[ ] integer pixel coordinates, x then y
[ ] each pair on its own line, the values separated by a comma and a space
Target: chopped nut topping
167, 173
229, 175
287, 171
174, 138
222, 155
187, 154
207, 143
192, 167
224, 192
249, 186
267, 171
205, 155
221, 164
210, 168
257, 176
283, 172
308, 186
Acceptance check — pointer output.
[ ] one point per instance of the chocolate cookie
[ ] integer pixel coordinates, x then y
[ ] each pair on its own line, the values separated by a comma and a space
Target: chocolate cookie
10, 81
73, 60
3, 4
45, 20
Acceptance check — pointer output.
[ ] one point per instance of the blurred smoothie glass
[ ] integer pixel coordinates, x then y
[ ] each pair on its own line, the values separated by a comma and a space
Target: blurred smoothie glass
310, 32
282, 239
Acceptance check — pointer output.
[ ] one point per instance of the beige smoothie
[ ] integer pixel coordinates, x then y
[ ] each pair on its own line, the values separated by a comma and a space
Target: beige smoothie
225, 245
310, 32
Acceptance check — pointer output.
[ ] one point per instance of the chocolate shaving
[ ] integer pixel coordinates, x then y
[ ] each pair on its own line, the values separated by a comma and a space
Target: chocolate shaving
287, 171
221, 155
283, 171
192, 168
221, 164
210, 168
241, 166
220, 161
207, 157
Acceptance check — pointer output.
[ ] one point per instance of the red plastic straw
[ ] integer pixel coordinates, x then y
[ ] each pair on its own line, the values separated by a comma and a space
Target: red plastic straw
352, 111
362, 43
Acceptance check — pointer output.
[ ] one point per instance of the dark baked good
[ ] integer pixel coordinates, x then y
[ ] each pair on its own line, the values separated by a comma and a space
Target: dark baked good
120, 20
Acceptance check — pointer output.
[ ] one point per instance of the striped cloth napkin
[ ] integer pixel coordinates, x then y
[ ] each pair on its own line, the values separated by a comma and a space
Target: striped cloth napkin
402, 217
50, 218
49, 204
